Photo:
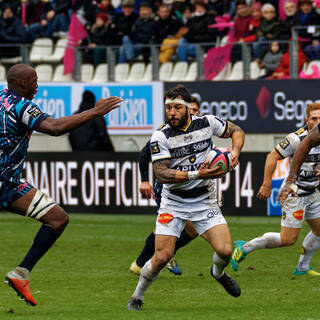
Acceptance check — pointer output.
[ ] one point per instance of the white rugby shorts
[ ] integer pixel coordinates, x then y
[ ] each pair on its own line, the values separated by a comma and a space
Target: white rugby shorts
172, 223
297, 209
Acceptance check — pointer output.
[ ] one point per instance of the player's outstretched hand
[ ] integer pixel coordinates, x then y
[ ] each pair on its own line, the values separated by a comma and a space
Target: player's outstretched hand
146, 190
264, 192
212, 173
104, 106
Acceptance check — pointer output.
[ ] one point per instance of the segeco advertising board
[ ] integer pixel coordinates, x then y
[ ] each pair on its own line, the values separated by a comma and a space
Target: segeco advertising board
262, 106
141, 111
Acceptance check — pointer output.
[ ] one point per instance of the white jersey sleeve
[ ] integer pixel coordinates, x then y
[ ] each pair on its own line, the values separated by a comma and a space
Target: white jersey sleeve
218, 125
288, 146
159, 147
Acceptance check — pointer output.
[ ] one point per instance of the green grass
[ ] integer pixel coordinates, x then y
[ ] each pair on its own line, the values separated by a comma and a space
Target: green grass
85, 275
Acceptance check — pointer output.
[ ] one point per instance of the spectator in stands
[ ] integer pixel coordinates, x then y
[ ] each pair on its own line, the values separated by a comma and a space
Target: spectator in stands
122, 23
255, 10
12, 31
313, 50
34, 11
105, 6
141, 34
198, 31
166, 24
271, 59
91, 136
14, 4
86, 11
240, 29
283, 70
290, 10
98, 36
55, 18
268, 30
306, 16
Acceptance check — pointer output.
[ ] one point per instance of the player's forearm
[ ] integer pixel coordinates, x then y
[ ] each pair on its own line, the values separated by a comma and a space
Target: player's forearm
57, 127
237, 139
269, 168
171, 175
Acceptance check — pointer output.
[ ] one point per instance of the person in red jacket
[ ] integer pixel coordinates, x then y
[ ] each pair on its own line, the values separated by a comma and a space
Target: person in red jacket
283, 70
254, 22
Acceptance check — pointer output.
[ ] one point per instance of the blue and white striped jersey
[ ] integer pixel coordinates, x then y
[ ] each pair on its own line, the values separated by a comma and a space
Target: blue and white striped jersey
18, 118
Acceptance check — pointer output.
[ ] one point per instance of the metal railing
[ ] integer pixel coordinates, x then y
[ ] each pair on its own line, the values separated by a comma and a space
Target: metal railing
111, 56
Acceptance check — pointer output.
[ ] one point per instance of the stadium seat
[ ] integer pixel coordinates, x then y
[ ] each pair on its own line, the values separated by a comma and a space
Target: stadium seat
224, 73
44, 72
165, 71
192, 72
101, 73
121, 72
58, 75
41, 48
179, 72
237, 71
223, 41
254, 70
12, 60
263, 72
86, 72
2, 73
58, 52
136, 72
148, 73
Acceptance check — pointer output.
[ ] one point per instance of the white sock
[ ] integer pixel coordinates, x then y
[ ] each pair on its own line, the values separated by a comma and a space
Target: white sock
147, 276
309, 246
267, 241
218, 266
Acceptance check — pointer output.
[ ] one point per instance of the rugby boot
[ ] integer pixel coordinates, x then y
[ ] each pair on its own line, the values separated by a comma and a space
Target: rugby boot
173, 267
18, 279
309, 272
134, 268
238, 254
229, 284
134, 304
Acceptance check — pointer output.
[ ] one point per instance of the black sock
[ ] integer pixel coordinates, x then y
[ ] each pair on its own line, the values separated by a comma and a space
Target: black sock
42, 242
182, 241
147, 251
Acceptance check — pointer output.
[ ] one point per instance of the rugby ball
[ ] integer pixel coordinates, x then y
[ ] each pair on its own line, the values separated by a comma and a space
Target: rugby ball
220, 157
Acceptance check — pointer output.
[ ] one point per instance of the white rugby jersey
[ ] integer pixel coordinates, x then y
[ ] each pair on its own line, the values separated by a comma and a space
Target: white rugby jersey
307, 180
187, 149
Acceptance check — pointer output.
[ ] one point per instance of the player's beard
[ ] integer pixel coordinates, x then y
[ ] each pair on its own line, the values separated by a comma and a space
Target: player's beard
181, 123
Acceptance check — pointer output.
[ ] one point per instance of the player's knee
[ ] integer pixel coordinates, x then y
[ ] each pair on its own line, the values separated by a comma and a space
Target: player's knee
288, 241
224, 251
162, 257
57, 219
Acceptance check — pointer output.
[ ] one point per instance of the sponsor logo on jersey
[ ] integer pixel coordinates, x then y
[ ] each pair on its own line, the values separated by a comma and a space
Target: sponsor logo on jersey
284, 215
165, 218
154, 147
303, 250
283, 144
187, 138
192, 167
34, 112
298, 214
212, 213
192, 159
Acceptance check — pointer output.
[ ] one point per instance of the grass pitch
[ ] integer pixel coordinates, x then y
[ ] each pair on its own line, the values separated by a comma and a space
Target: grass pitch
85, 275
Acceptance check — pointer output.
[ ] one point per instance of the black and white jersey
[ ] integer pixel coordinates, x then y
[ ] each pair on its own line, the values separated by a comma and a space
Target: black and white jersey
187, 149
307, 180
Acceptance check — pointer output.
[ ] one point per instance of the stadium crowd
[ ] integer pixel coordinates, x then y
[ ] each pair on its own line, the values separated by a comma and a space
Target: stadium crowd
175, 25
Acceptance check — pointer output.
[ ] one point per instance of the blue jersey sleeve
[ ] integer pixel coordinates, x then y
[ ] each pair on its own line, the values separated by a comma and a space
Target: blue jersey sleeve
30, 114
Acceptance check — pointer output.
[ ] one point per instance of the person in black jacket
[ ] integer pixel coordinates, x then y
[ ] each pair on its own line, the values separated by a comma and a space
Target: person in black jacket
141, 34
93, 135
198, 32
166, 24
12, 31
122, 23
